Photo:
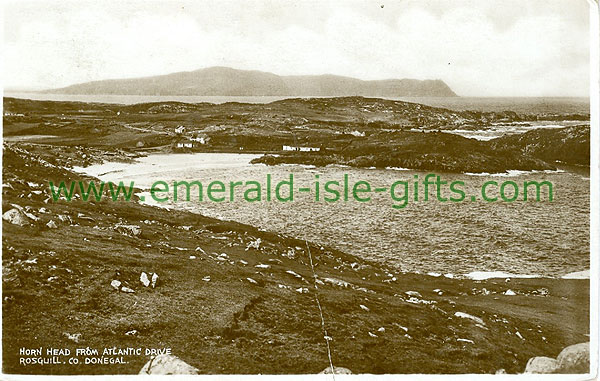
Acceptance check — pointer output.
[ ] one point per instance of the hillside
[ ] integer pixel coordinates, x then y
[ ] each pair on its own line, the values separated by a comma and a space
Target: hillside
222, 81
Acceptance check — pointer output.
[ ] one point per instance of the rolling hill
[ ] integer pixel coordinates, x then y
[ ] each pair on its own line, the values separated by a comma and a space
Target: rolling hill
222, 81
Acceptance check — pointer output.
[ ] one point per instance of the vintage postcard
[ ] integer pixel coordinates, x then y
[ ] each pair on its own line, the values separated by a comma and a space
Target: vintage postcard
338, 189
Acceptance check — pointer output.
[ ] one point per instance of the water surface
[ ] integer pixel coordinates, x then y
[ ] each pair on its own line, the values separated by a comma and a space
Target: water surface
544, 238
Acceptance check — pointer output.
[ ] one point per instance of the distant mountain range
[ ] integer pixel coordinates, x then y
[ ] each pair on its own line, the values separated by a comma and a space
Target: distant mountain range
223, 81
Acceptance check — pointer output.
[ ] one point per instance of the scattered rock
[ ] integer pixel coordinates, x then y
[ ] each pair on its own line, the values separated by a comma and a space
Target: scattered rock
133, 332
294, 274
206, 278
413, 293
252, 281
127, 290
64, 218
168, 364
365, 307
131, 230
467, 316
116, 284
336, 370
541, 365
51, 224
25, 212
254, 245
154, 279
574, 359
144, 279
15, 217
509, 293
75, 337
337, 282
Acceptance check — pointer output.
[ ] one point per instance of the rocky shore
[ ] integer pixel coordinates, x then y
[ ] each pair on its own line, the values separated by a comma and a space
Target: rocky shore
228, 298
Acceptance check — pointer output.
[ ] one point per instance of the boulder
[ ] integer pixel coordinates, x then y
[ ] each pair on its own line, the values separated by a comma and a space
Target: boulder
336, 370
144, 279
116, 284
467, 316
168, 364
15, 217
132, 230
574, 359
51, 225
541, 365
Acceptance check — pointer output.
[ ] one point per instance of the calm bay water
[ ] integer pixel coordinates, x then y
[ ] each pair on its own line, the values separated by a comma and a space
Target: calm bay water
545, 238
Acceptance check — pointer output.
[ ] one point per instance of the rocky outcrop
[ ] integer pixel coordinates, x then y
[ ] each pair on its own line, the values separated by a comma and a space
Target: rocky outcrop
570, 145
424, 151
167, 364
573, 359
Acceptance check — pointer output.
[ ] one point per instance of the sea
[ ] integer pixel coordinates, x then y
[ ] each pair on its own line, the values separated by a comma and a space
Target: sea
522, 238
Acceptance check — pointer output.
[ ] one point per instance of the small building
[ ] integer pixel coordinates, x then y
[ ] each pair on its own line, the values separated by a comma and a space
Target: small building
301, 149
185, 145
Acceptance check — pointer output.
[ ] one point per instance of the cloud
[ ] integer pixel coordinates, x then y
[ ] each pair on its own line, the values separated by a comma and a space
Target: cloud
467, 45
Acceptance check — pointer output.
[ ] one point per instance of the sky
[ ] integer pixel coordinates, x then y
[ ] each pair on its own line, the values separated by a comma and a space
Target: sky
478, 47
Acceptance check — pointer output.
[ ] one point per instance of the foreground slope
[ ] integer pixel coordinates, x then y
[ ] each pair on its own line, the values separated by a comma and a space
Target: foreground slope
226, 302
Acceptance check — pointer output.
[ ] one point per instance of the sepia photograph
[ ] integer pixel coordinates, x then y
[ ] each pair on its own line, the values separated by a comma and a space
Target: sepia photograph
333, 189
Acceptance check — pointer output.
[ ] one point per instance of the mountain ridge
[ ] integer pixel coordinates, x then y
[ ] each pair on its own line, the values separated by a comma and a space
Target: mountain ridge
224, 81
